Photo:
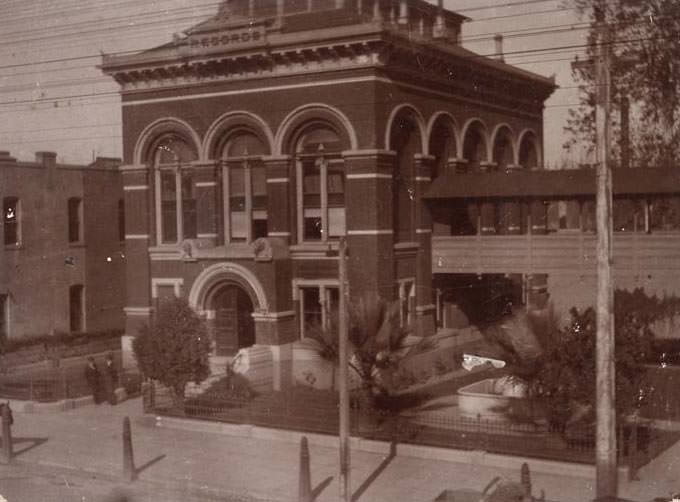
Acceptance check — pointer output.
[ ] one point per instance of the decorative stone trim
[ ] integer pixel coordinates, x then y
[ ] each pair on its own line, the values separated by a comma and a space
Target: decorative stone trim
138, 311
175, 282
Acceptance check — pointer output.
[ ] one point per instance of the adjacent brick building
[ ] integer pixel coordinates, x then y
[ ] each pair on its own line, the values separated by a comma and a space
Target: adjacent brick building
62, 258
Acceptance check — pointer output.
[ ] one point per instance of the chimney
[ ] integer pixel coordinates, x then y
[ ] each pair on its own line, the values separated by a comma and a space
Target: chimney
498, 40
6, 158
47, 159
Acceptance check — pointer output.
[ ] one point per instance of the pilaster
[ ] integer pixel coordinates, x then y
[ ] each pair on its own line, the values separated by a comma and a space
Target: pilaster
370, 239
206, 182
425, 310
280, 203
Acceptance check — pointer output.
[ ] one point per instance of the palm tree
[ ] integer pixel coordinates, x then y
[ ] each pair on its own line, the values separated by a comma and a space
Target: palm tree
376, 338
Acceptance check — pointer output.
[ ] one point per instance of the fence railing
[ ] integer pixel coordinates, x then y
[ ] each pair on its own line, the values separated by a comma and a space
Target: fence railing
58, 384
637, 442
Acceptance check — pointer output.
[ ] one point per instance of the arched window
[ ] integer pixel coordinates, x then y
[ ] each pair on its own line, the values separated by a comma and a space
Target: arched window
474, 146
502, 149
175, 191
528, 154
245, 188
320, 184
442, 146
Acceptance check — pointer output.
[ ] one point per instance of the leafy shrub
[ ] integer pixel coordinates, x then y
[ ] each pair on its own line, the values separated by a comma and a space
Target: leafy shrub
567, 376
174, 349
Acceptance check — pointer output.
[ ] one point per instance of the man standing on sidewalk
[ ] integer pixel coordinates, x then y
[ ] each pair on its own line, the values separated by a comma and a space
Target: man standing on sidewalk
92, 377
110, 379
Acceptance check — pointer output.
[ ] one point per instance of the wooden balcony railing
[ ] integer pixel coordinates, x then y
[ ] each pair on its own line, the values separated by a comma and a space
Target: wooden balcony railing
561, 252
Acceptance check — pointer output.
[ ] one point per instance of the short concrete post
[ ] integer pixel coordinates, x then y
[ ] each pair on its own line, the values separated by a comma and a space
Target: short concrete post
7, 452
128, 457
305, 489
525, 481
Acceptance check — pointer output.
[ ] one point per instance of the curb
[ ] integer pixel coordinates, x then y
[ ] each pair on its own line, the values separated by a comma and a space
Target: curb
205, 492
470, 457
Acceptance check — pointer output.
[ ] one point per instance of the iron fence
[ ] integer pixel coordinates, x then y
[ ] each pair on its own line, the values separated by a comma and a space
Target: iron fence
637, 442
58, 384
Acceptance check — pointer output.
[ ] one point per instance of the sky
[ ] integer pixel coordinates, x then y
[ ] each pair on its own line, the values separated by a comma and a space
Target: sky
53, 97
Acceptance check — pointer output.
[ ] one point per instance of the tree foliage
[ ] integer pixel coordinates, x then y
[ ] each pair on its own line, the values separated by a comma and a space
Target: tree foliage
523, 339
558, 362
567, 379
375, 336
645, 70
174, 349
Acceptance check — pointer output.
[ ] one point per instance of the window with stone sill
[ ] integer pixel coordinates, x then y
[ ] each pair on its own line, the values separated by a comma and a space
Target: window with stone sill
75, 220
176, 218
321, 186
76, 308
318, 308
4, 316
11, 213
245, 188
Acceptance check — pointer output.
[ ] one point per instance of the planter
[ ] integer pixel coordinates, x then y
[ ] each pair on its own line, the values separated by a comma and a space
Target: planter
487, 400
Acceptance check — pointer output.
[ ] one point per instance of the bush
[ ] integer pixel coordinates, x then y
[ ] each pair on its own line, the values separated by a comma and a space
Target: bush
566, 379
174, 349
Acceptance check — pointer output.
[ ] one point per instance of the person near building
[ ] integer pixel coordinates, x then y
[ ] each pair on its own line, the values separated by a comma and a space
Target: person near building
93, 378
110, 374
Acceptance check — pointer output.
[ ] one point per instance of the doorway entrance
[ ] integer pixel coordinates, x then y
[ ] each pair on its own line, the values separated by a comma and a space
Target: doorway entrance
234, 325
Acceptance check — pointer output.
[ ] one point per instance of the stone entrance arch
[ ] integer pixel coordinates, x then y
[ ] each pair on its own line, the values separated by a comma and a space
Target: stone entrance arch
228, 295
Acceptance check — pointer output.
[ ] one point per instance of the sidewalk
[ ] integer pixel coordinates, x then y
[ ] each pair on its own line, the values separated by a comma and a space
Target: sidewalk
264, 463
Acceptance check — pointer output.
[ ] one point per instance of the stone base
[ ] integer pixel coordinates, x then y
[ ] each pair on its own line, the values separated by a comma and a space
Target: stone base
127, 355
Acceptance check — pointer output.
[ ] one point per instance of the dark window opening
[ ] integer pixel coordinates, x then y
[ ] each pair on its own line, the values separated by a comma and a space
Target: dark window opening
75, 233
76, 308
10, 212
121, 220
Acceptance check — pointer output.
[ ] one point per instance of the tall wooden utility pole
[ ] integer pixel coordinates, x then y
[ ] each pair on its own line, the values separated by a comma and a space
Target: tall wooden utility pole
605, 447
343, 374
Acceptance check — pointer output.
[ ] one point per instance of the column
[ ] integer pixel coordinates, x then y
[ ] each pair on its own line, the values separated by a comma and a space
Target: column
538, 217
206, 183
455, 165
511, 211
280, 198
377, 11
439, 28
537, 295
488, 207
403, 12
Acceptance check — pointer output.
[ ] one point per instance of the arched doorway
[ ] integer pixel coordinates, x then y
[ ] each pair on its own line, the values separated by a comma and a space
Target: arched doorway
234, 327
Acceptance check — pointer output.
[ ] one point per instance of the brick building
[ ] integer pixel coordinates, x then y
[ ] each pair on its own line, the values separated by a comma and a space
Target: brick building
255, 140
62, 260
